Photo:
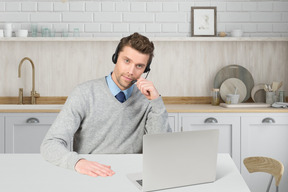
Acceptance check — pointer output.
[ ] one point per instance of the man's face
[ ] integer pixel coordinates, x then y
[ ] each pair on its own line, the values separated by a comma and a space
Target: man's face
130, 66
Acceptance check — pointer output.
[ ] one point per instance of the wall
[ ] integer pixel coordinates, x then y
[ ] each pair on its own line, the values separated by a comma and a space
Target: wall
153, 17
180, 68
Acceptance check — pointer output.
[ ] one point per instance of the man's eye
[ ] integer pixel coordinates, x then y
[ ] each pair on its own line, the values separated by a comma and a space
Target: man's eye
139, 66
126, 60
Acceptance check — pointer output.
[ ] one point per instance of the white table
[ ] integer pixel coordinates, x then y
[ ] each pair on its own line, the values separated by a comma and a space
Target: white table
29, 172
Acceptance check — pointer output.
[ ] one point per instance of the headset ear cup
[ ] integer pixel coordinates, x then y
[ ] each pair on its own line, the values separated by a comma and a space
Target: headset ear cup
114, 58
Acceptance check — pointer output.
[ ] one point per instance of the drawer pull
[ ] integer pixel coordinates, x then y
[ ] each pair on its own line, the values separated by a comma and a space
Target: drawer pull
211, 120
32, 120
268, 120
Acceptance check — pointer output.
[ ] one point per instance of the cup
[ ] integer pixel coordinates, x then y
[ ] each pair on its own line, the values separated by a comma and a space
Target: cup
76, 32
34, 30
8, 26
232, 99
45, 32
8, 32
270, 96
65, 33
282, 96
22, 33
237, 33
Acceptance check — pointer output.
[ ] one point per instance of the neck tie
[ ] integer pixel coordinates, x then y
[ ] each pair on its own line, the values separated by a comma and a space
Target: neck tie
121, 97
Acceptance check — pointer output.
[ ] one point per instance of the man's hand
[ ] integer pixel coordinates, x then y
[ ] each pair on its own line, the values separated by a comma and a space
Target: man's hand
147, 88
93, 169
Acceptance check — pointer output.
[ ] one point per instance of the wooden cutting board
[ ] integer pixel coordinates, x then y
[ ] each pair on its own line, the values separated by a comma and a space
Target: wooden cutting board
245, 105
228, 87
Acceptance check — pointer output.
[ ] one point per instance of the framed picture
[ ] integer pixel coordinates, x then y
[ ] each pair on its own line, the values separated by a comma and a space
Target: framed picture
204, 21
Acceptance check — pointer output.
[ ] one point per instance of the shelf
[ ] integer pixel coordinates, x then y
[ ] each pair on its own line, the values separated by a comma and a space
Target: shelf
184, 39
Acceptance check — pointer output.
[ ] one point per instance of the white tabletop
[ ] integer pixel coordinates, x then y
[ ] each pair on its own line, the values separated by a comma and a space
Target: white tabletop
29, 172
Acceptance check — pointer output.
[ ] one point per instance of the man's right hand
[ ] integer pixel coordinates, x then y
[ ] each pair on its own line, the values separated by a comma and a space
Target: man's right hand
93, 168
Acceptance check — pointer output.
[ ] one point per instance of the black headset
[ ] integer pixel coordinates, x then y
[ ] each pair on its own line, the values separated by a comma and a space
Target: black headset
115, 57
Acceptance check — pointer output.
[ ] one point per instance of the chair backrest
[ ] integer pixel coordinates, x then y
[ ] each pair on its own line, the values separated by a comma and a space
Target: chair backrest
267, 165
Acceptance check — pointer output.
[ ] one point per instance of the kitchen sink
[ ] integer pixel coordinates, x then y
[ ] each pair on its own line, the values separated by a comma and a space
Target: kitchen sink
27, 106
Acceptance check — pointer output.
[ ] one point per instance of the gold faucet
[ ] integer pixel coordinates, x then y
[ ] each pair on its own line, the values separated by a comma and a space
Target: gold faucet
34, 94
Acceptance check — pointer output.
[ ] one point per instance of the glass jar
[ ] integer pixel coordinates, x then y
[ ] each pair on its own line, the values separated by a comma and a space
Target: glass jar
215, 97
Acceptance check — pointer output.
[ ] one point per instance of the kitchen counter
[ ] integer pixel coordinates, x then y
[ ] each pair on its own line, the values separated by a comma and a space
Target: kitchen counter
171, 108
29, 172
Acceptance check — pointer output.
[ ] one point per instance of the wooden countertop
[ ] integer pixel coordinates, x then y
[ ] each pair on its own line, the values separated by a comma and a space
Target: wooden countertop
208, 108
175, 108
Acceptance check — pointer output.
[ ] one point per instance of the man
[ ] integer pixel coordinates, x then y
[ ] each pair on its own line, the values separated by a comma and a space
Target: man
96, 122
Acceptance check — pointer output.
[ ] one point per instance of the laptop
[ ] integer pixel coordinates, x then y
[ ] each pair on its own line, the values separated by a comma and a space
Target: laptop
177, 159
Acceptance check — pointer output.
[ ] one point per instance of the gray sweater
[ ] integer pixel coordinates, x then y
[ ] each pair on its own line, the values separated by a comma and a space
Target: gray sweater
94, 121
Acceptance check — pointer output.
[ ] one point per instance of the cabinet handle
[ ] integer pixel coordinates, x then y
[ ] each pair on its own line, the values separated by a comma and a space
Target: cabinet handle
32, 120
268, 120
211, 120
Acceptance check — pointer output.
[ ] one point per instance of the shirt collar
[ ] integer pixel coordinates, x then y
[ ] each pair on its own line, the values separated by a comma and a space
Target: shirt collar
115, 89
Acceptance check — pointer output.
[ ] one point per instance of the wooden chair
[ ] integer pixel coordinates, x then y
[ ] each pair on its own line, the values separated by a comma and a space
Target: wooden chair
267, 165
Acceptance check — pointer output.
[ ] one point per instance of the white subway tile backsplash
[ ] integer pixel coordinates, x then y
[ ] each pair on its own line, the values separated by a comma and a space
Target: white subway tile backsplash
186, 6
61, 6
265, 17
280, 27
107, 17
29, 6
121, 27
108, 6
265, 6
138, 7
170, 7
92, 27
2, 6
234, 6
106, 28
171, 17
153, 28
122, 6
77, 17
265, 27
13, 6
14, 17
45, 17
155, 17
137, 27
154, 6
93, 6
45, 6
249, 6
169, 28
77, 6
138, 17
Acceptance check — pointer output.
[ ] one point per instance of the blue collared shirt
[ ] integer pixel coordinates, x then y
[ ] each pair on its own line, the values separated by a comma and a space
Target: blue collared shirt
115, 89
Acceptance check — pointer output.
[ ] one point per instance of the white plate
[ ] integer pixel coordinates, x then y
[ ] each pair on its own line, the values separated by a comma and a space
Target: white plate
229, 86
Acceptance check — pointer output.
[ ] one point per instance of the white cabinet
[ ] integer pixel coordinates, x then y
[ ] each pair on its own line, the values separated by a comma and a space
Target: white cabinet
2, 137
264, 135
228, 125
24, 132
173, 121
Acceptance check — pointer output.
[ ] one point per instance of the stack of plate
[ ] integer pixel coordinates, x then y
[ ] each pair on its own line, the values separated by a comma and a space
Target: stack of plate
232, 76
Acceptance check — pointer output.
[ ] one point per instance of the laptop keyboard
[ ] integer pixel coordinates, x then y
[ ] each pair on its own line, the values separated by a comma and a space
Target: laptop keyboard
139, 181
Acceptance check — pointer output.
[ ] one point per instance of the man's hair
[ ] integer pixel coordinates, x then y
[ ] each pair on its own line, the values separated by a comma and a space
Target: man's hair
138, 42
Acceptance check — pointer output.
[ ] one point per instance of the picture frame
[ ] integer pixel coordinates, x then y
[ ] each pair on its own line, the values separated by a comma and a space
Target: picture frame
204, 21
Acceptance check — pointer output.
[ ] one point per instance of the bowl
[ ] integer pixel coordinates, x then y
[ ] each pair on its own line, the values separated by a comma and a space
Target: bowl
237, 33
22, 33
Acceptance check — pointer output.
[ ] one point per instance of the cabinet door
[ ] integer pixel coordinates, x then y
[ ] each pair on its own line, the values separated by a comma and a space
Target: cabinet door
24, 134
2, 137
264, 135
173, 121
229, 130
